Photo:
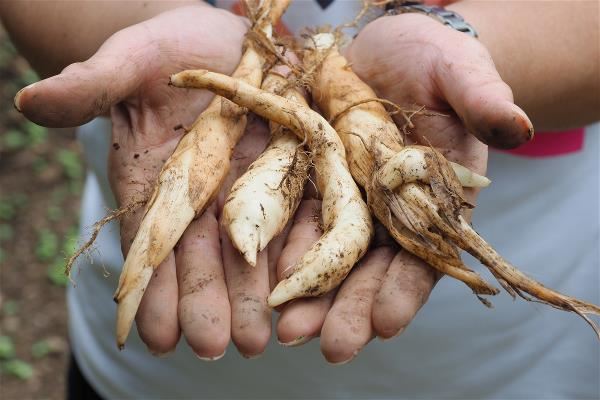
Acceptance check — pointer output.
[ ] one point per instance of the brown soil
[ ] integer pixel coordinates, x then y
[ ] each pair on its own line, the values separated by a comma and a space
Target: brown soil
38, 201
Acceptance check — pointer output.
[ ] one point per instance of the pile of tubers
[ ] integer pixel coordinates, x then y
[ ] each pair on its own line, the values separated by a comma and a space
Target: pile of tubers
361, 164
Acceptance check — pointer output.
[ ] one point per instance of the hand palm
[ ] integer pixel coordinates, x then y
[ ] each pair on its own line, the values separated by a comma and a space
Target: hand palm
186, 293
128, 76
412, 61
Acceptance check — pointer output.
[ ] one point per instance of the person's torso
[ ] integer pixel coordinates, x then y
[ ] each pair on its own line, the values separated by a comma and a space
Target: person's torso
541, 213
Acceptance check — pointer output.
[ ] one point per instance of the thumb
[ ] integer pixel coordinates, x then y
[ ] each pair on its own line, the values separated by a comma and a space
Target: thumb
481, 99
88, 89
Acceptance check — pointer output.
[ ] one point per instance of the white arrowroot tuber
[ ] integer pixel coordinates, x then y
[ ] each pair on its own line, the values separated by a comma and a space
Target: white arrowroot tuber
190, 178
410, 165
262, 201
347, 223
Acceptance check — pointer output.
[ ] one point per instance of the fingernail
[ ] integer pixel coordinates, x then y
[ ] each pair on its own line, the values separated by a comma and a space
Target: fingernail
17, 99
159, 354
215, 358
345, 361
251, 357
387, 339
297, 341
287, 272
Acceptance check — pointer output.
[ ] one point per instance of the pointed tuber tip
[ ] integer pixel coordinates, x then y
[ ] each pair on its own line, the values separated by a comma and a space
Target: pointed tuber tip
245, 240
281, 294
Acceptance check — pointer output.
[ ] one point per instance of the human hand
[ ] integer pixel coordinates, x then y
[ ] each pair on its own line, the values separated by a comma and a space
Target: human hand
128, 76
411, 60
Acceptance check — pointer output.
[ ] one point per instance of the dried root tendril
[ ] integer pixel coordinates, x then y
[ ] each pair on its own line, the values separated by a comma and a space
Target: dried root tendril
97, 227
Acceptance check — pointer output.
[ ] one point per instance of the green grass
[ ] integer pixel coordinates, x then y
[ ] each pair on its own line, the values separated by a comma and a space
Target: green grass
71, 164
7, 210
47, 245
41, 349
7, 348
18, 368
56, 272
10, 307
6, 232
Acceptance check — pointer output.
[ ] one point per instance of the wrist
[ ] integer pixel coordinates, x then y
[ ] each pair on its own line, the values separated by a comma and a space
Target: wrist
442, 15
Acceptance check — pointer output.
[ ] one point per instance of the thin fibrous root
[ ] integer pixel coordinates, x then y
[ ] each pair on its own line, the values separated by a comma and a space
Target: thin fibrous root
190, 178
407, 115
96, 228
444, 263
514, 281
347, 223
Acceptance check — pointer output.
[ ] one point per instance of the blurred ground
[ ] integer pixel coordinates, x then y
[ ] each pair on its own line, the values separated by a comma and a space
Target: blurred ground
41, 177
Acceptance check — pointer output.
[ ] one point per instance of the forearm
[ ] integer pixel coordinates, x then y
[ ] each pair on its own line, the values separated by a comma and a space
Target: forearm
549, 54
54, 34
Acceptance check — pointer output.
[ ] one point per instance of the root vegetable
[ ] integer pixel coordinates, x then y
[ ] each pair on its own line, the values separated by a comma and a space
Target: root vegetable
263, 200
347, 223
410, 165
413, 190
189, 180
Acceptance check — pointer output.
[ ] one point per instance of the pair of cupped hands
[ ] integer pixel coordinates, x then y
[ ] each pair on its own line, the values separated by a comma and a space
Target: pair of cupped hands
204, 290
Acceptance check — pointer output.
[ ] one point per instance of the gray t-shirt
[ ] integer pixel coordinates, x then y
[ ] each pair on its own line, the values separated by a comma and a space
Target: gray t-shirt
541, 213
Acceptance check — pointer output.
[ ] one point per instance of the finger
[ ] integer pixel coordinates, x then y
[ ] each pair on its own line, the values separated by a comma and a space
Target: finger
476, 92
305, 231
204, 311
347, 328
156, 318
302, 319
274, 253
85, 90
248, 289
405, 288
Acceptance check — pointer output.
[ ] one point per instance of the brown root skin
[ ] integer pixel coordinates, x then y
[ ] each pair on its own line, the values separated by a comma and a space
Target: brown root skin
444, 263
346, 219
421, 207
113, 216
190, 179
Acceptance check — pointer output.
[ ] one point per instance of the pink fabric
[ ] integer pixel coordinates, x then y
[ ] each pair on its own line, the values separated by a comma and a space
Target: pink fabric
552, 144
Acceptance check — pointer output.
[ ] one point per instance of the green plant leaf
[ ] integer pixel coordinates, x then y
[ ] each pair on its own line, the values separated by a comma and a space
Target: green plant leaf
10, 307
54, 213
71, 242
14, 139
71, 164
7, 348
18, 368
7, 210
47, 245
56, 273
40, 349
39, 165
19, 199
29, 76
6, 232
36, 134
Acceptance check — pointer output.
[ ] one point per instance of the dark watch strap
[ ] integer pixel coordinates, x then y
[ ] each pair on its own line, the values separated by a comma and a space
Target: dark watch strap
446, 17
